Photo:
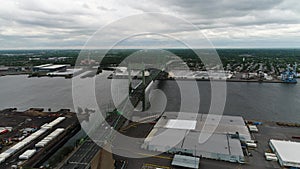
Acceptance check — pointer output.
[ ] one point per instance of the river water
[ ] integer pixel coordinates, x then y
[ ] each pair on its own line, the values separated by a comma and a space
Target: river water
260, 101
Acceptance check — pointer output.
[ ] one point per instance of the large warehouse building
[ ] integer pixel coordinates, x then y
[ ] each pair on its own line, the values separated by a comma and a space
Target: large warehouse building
49, 68
183, 133
288, 152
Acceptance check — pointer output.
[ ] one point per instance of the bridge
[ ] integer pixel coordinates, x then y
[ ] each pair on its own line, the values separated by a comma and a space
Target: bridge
85, 154
138, 93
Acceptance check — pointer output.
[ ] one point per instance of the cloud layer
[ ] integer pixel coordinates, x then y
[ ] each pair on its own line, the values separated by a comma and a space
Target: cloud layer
227, 23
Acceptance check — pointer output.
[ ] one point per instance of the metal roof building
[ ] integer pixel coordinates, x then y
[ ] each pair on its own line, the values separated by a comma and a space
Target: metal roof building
186, 161
49, 68
176, 133
288, 152
207, 123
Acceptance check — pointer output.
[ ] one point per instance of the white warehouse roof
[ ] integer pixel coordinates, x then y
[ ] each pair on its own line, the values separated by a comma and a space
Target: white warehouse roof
207, 123
181, 124
53, 66
288, 152
44, 65
186, 132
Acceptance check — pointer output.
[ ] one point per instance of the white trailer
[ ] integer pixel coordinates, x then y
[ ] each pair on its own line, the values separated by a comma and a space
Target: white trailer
271, 158
270, 154
253, 145
27, 154
253, 128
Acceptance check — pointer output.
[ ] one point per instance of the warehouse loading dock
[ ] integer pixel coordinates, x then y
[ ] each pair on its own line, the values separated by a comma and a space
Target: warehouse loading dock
186, 161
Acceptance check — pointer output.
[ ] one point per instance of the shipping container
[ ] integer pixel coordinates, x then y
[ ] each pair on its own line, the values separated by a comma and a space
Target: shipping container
40, 145
252, 128
9, 128
4, 155
253, 145
257, 123
27, 154
251, 141
4, 131
39, 132
270, 154
271, 158
18, 146
2, 160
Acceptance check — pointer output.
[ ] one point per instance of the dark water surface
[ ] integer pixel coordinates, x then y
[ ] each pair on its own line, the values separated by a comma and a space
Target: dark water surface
261, 101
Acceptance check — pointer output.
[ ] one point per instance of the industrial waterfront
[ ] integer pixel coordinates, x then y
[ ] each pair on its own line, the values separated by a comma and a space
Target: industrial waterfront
265, 102
269, 103
261, 101
150, 85
254, 156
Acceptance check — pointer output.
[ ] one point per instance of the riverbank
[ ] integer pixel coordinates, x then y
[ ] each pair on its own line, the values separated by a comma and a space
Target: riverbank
206, 79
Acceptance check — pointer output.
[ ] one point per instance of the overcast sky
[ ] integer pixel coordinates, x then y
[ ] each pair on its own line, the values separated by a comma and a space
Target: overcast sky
27, 24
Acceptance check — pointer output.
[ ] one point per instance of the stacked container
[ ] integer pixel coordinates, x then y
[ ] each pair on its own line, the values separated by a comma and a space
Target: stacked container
27, 154
6, 154
49, 138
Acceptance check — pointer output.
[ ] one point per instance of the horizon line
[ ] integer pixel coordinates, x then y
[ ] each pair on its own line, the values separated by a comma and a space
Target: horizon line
16, 49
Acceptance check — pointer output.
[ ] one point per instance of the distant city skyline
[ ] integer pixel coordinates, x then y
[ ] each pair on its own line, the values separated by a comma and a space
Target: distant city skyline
68, 24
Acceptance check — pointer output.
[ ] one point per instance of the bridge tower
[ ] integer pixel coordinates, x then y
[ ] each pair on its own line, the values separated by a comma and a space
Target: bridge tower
129, 79
144, 89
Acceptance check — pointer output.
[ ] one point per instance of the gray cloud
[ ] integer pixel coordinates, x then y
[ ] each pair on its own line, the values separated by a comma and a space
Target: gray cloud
227, 23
